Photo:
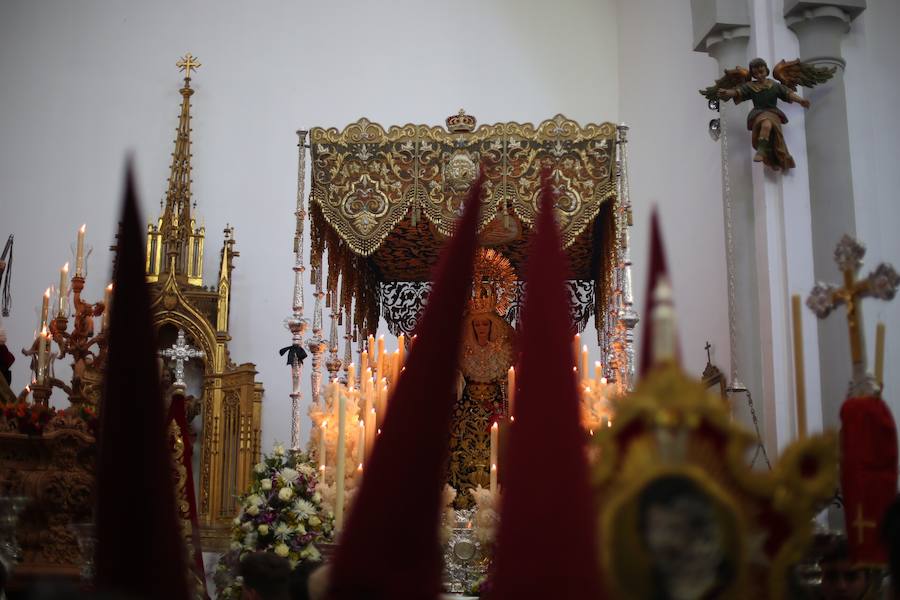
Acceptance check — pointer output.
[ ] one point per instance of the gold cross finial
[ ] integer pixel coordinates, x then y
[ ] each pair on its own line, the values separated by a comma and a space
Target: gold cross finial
188, 63
882, 283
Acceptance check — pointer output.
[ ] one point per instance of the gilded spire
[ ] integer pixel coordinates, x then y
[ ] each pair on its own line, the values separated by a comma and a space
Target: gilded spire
175, 243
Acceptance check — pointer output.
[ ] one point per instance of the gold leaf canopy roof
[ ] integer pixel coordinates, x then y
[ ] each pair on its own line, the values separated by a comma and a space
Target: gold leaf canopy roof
384, 201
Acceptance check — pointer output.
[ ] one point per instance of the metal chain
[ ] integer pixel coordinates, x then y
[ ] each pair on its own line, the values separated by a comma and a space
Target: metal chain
732, 308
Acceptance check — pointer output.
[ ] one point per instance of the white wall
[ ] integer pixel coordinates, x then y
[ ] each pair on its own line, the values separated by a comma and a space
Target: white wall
86, 82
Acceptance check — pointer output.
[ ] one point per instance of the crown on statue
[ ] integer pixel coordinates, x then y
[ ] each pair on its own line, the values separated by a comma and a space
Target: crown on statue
461, 122
483, 300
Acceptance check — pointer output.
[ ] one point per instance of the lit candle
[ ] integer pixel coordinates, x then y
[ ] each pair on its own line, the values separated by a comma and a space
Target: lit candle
598, 373
511, 388
495, 432
584, 362
379, 360
351, 375
107, 303
341, 459
79, 253
604, 422
383, 402
371, 417
45, 309
322, 428
879, 353
43, 356
576, 348
361, 443
63, 280
363, 362
401, 348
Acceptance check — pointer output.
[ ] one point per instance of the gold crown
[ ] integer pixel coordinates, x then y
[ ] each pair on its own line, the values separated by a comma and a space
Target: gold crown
493, 283
461, 123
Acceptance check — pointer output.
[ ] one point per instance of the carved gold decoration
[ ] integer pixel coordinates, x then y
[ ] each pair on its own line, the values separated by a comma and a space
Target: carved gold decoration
371, 188
494, 271
671, 431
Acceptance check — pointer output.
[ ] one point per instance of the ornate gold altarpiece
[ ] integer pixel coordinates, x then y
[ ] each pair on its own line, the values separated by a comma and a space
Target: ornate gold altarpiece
384, 201
231, 403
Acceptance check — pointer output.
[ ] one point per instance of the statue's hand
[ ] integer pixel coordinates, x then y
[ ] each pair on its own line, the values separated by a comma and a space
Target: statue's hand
804, 102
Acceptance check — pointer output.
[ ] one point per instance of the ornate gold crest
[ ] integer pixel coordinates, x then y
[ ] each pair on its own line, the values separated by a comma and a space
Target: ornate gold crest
682, 512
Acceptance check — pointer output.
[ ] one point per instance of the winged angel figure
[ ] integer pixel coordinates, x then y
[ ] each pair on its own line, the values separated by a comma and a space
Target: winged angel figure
766, 119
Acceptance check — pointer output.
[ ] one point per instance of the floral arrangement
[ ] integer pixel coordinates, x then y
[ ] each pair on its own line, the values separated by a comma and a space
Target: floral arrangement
30, 419
282, 513
487, 515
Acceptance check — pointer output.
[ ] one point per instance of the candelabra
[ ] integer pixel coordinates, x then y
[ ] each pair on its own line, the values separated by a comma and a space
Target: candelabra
334, 362
88, 351
627, 316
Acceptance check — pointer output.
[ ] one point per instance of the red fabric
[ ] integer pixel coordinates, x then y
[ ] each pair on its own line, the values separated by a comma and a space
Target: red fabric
139, 551
546, 545
657, 268
868, 474
177, 416
6, 357
390, 548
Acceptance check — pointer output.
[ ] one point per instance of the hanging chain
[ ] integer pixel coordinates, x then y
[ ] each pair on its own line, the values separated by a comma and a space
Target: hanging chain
732, 304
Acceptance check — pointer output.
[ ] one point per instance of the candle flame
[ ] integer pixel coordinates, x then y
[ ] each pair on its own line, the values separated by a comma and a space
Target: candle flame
82, 229
362, 423
591, 432
493, 466
65, 268
109, 288
44, 331
47, 293
324, 423
359, 468
494, 426
603, 380
512, 419
587, 389
584, 348
379, 432
27, 389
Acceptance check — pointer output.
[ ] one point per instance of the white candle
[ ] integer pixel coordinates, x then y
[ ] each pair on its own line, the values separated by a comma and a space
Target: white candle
363, 362
584, 362
45, 309
495, 432
401, 348
107, 302
511, 388
371, 418
79, 253
351, 375
322, 429
63, 280
43, 357
379, 360
598, 372
361, 443
341, 459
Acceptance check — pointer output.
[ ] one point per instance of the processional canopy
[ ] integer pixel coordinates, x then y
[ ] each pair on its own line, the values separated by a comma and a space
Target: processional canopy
383, 202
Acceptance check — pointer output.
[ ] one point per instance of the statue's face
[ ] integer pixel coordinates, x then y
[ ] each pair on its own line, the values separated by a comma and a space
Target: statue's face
482, 328
842, 581
685, 543
759, 72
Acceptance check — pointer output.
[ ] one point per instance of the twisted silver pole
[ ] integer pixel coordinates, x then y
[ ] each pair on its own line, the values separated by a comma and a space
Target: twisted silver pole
296, 323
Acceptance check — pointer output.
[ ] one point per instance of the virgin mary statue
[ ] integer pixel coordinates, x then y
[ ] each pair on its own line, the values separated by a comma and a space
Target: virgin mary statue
488, 350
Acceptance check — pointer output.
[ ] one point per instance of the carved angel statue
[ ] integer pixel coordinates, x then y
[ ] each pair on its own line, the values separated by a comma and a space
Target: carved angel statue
766, 118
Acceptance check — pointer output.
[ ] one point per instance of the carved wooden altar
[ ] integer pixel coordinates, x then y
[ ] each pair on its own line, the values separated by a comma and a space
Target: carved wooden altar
231, 403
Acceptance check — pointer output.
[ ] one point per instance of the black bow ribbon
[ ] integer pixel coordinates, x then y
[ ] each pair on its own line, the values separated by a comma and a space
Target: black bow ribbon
294, 352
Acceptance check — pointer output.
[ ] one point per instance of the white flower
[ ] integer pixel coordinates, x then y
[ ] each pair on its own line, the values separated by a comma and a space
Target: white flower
301, 530
266, 484
315, 521
253, 500
289, 475
285, 494
310, 552
317, 497
263, 529
253, 510
304, 508
236, 546
306, 470
282, 531
281, 549
247, 526
278, 450
237, 521
260, 468
250, 540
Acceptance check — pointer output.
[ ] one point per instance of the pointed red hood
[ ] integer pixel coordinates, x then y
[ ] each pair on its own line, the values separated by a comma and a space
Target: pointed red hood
657, 270
546, 471
140, 552
390, 548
